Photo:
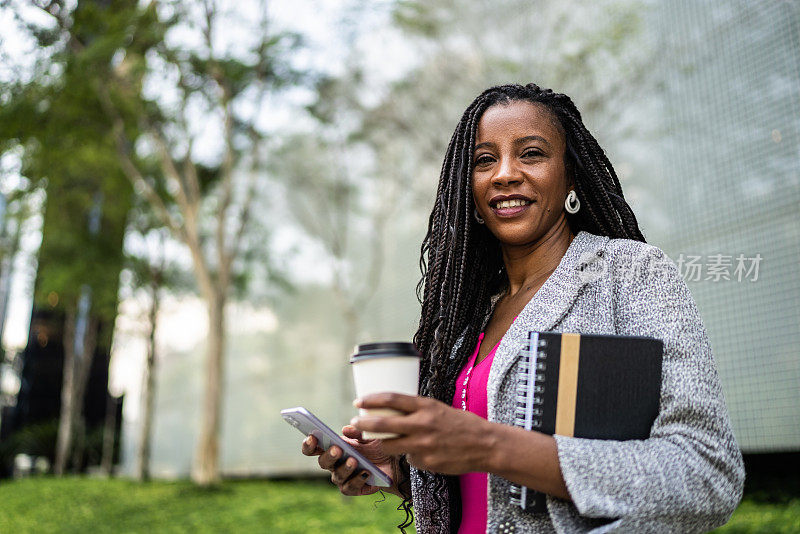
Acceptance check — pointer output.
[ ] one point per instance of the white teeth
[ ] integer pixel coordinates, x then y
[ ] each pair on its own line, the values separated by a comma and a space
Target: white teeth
511, 203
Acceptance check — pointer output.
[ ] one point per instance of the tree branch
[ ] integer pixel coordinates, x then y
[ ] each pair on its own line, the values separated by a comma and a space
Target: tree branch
130, 170
190, 169
227, 190
188, 208
250, 194
224, 257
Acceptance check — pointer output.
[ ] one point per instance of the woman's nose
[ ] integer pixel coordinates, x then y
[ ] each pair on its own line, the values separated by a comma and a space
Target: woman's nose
507, 173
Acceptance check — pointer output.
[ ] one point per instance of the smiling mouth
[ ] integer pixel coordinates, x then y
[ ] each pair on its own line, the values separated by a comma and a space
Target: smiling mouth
513, 203
511, 208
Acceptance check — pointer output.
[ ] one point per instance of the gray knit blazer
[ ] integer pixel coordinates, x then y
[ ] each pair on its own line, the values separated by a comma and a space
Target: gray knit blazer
688, 475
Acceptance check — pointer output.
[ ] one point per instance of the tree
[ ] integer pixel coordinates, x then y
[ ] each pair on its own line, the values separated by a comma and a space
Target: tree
343, 191
203, 197
204, 203
53, 117
155, 274
151, 273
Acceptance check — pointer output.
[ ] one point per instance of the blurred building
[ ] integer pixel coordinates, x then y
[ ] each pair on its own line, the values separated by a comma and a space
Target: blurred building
731, 189
31, 423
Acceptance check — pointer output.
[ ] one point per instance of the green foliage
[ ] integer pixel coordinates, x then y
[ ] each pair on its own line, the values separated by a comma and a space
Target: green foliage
83, 95
169, 276
35, 440
40, 439
420, 18
68, 146
118, 506
336, 97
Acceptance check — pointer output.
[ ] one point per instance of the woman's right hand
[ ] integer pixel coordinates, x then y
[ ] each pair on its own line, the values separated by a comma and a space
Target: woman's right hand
346, 475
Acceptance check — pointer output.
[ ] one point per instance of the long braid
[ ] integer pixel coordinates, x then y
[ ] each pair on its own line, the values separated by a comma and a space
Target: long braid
452, 242
461, 262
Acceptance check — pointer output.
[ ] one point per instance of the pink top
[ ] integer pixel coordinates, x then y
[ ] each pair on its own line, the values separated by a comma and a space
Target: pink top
473, 485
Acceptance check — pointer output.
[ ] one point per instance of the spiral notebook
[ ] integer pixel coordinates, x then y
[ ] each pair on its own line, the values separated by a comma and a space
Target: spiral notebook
586, 386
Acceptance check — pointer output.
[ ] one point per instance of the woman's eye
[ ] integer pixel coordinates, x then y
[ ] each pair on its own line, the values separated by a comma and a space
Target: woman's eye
531, 153
484, 159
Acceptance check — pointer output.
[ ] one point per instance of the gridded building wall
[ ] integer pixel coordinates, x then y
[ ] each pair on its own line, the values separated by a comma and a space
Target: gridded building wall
731, 187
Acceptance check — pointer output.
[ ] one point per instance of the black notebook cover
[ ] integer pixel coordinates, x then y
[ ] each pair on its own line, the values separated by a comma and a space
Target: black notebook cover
586, 386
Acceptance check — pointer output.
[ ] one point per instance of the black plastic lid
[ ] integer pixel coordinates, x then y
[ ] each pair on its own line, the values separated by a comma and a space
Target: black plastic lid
384, 350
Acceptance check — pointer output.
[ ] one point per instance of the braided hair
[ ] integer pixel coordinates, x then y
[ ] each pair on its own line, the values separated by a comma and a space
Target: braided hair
461, 261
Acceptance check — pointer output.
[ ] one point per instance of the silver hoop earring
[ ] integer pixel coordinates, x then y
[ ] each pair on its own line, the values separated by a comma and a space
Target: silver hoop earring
572, 204
477, 217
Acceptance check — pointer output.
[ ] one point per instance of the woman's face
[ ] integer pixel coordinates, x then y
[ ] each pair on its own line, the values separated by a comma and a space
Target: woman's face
519, 181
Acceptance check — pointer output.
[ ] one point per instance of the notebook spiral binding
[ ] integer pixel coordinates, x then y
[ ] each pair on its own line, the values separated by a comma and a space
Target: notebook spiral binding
530, 387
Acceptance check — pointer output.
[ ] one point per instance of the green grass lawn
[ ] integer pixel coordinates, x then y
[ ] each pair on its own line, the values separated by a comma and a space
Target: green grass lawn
85, 505
769, 518
94, 506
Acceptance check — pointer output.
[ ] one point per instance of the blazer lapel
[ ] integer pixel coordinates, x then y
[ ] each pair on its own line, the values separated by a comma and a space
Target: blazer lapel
547, 307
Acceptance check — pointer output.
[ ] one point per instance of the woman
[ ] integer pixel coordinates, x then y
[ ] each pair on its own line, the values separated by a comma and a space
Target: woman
526, 200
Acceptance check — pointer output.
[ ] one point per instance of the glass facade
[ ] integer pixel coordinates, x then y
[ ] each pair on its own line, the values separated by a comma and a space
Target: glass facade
730, 184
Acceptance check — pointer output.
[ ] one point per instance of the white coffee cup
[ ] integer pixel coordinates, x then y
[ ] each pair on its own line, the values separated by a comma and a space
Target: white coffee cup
384, 367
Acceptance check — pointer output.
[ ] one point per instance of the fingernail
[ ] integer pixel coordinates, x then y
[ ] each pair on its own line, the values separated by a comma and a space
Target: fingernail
334, 453
357, 403
351, 463
354, 421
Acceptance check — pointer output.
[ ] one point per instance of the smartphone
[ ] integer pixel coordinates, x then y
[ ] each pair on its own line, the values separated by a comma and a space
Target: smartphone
307, 423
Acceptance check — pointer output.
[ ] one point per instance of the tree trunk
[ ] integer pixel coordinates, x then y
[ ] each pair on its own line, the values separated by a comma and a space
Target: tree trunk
109, 431
65, 420
83, 367
205, 471
77, 366
78, 441
148, 391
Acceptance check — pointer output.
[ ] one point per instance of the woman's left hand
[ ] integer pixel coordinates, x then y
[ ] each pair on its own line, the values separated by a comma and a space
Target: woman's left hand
434, 436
